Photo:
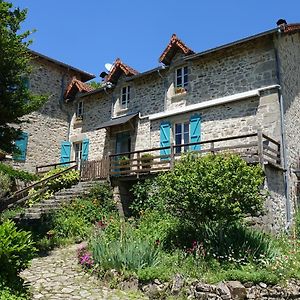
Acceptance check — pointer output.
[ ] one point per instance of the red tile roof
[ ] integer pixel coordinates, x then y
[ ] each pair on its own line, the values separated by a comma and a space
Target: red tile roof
174, 45
118, 68
290, 28
76, 86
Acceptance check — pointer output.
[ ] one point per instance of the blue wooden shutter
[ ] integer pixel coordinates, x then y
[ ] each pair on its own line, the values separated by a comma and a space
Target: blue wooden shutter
165, 138
65, 153
21, 144
195, 132
85, 149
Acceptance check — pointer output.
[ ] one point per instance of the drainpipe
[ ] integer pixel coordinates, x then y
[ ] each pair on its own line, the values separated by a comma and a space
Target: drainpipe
165, 83
61, 105
283, 141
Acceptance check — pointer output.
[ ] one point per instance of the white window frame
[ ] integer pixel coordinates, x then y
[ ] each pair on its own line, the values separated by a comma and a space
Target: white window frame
78, 158
125, 96
79, 110
182, 73
182, 133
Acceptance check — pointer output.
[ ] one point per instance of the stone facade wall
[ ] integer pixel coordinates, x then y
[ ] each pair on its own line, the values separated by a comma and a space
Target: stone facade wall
238, 69
97, 110
289, 60
48, 126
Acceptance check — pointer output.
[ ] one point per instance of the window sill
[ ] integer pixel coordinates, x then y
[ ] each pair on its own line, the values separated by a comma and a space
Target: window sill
122, 111
179, 96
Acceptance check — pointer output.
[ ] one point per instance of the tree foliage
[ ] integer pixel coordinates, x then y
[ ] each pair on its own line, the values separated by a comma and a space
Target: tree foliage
213, 188
219, 188
15, 98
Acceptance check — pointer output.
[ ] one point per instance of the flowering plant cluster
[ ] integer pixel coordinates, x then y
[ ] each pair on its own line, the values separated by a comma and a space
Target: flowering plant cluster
84, 256
197, 250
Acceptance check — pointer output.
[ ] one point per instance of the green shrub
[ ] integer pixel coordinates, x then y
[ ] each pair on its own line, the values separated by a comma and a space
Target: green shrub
101, 193
76, 219
297, 224
66, 180
146, 197
129, 253
17, 174
5, 184
156, 226
16, 250
219, 188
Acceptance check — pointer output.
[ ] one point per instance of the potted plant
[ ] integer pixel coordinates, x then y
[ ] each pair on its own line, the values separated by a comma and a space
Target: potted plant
180, 90
146, 160
124, 162
79, 119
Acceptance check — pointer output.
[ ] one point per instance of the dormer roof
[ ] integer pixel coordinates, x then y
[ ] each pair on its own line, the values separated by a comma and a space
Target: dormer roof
76, 86
174, 45
118, 68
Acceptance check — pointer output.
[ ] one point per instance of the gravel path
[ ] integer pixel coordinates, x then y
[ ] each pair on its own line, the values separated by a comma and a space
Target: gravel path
58, 276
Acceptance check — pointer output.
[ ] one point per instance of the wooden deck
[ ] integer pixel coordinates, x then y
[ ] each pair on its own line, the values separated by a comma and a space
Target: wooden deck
254, 147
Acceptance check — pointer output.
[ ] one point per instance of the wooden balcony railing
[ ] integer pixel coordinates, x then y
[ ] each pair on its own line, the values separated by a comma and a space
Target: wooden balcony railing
95, 169
254, 147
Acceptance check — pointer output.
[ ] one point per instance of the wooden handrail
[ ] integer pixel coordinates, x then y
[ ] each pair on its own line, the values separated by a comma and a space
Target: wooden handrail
187, 144
54, 165
22, 191
270, 139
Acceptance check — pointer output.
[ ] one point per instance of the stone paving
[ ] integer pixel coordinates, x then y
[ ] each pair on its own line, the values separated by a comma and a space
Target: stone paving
58, 276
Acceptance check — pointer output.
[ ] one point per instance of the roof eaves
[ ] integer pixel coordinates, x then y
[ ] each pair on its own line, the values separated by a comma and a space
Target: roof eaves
249, 38
86, 76
96, 91
146, 73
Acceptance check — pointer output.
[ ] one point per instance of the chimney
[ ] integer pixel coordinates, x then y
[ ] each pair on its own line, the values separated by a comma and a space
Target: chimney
281, 23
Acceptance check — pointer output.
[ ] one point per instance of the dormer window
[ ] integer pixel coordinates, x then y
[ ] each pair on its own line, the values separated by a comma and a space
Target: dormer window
125, 97
181, 80
79, 111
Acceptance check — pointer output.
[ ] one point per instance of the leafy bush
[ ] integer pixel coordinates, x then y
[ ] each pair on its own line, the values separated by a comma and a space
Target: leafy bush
297, 224
101, 193
76, 219
17, 174
66, 180
219, 188
16, 250
157, 227
8, 293
146, 197
129, 253
5, 184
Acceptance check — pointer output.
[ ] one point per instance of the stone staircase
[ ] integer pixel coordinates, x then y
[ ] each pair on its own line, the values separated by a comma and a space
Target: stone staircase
60, 198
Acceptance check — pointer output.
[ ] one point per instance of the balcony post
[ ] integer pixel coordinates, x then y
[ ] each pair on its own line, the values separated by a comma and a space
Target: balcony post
260, 147
172, 156
138, 158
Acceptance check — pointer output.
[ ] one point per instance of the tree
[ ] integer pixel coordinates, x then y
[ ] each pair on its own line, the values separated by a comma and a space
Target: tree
220, 188
15, 98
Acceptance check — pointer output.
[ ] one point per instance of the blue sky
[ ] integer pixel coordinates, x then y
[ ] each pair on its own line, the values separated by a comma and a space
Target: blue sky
88, 34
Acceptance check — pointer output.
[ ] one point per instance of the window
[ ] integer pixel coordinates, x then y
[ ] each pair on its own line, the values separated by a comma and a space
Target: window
21, 144
79, 111
125, 96
181, 79
78, 151
182, 136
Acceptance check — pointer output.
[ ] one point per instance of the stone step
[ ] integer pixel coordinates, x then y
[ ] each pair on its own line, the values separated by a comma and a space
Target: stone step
57, 201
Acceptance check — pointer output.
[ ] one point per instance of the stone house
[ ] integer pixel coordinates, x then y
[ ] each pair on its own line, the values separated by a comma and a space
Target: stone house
228, 96
45, 129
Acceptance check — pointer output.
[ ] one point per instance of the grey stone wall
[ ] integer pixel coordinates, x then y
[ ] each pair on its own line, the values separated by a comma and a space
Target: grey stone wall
289, 57
48, 126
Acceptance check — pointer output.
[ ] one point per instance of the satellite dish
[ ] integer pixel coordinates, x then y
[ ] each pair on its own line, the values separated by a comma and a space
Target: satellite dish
108, 66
